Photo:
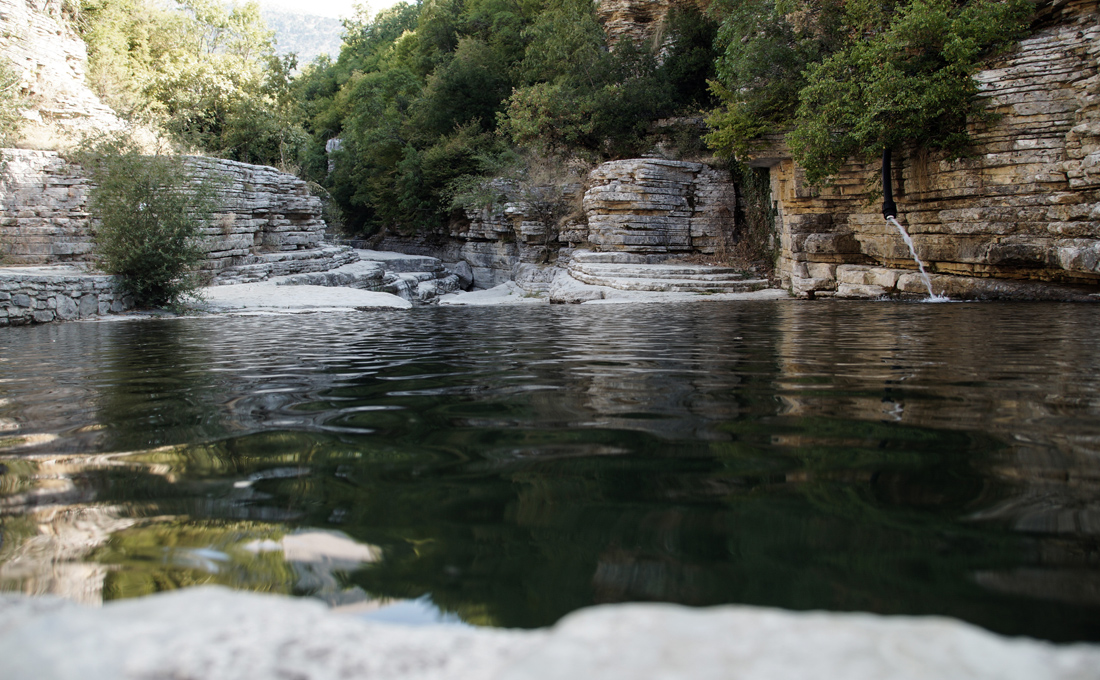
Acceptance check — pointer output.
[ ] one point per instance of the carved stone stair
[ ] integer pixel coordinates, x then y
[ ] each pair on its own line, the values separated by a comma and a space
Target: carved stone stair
630, 271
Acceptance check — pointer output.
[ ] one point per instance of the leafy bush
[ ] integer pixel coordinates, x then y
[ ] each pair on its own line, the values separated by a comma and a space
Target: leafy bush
205, 72
150, 212
911, 83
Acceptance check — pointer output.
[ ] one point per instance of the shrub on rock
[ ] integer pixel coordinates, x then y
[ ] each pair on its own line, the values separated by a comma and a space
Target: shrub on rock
150, 211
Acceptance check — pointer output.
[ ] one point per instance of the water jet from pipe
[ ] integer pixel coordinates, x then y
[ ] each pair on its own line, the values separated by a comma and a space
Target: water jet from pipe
890, 214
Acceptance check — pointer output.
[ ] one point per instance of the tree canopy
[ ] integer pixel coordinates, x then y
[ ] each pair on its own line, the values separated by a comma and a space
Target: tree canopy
427, 97
846, 79
205, 71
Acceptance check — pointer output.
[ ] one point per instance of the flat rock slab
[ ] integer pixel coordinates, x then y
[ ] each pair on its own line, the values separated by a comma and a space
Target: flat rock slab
400, 262
360, 274
505, 294
57, 270
269, 296
218, 634
614, 296
567, 289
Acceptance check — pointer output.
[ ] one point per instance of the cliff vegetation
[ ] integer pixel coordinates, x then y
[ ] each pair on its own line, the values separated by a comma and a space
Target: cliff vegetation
427, 100
847, 79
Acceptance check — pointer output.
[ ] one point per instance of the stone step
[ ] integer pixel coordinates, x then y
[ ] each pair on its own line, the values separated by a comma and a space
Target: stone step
399, 262
263, 266
617, 257
658, 271
673, 285
362, 275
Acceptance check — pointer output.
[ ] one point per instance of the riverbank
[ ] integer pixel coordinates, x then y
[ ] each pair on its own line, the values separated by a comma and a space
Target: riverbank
376, 280
218, 634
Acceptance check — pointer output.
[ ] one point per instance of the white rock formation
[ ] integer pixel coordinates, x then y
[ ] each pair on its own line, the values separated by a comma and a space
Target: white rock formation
652, 205
217, 634
508, 293
269, 296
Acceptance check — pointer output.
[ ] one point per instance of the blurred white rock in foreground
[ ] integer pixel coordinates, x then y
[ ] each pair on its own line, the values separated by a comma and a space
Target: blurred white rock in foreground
218, 634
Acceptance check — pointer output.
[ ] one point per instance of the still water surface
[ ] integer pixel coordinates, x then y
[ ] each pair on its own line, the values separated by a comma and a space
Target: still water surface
507, 466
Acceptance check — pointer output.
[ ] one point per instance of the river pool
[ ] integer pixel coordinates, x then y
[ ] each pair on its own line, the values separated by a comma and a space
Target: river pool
505, 466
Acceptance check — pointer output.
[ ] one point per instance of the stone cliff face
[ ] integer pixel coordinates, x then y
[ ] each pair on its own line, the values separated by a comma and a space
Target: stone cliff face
494, 241
266, 223
644, 206
1023, 208
641, 21
651, 205
50, 60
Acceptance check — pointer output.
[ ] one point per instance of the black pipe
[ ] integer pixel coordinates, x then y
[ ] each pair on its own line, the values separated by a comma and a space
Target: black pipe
889, 208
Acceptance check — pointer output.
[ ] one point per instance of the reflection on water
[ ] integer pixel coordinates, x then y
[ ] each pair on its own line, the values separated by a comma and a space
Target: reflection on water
510, 466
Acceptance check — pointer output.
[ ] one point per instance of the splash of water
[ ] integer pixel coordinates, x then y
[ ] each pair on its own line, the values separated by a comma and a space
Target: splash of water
932, 297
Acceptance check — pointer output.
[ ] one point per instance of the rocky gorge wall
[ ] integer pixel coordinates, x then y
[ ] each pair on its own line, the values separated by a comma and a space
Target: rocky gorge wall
647, 206
1020, 213
265, 223
50, 61
641, 21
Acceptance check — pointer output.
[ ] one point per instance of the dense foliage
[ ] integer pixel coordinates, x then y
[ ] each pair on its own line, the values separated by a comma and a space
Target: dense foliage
848, 79
150, 213
206, 72
425, 97
426, 101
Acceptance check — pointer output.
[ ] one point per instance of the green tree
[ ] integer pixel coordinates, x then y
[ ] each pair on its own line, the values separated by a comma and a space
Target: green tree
846, 80
421, 96
765, 46
150, 211
909, 84
581, 97
204, 71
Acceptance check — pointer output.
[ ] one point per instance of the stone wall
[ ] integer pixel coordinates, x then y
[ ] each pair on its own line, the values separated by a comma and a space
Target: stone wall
1024, 207
266, 222
39, 296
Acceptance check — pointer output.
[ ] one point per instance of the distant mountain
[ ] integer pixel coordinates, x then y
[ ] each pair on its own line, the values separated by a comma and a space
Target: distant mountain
306, 35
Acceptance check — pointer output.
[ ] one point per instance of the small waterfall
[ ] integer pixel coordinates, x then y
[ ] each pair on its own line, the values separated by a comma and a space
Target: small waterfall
932, 297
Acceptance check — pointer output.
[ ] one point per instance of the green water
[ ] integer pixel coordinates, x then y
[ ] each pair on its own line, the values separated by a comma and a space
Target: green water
509, 466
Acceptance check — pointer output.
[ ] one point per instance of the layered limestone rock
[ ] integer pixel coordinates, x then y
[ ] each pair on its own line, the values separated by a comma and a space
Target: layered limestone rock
641, 21
635, 20
629, 271
50, 59
493, 242
265, 224
649, 206
1025, 206
652, 205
